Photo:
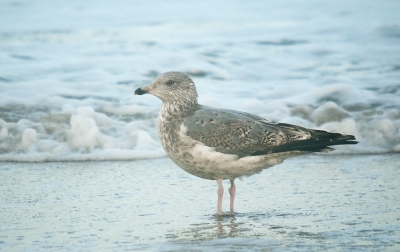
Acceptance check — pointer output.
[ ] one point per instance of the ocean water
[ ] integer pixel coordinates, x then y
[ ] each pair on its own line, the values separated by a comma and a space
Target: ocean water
68, 71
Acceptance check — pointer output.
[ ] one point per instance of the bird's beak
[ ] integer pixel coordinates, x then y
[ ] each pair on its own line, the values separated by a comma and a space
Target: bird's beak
142, 90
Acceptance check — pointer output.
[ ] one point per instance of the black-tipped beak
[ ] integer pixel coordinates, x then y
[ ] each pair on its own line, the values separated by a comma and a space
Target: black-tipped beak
141, 91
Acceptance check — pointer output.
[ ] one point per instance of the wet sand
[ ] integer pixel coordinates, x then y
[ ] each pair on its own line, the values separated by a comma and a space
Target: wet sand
309, 203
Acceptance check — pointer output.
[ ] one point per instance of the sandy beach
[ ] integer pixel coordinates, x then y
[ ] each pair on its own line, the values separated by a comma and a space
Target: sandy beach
308, 203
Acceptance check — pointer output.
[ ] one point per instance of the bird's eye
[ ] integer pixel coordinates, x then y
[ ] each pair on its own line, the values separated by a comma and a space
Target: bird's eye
170, 83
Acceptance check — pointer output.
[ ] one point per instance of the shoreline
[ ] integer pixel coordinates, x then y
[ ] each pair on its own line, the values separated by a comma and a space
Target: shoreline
165, 156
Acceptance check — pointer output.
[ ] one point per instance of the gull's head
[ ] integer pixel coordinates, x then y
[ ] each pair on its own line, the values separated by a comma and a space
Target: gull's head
173, 87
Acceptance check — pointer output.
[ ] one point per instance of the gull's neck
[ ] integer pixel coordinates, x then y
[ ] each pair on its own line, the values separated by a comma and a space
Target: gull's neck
184, 104
177, 108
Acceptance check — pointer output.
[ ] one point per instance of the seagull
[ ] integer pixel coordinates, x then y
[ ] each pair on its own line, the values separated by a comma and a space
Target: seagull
219, 144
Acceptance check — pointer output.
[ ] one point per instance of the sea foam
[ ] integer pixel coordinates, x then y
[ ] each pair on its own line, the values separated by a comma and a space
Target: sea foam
122, 132
67, 86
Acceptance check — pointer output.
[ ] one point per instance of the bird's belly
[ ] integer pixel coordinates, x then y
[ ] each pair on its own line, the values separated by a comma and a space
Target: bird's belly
205, 162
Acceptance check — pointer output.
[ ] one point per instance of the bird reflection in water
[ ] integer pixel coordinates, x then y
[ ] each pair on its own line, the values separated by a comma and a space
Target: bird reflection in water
219, 227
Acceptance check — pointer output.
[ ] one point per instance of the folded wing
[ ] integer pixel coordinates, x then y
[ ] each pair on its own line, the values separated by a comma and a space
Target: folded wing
244, 134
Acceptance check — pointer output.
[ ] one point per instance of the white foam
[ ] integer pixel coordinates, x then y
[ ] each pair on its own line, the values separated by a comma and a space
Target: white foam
329, 112
84, 133
28, 138
3, 133
67, 87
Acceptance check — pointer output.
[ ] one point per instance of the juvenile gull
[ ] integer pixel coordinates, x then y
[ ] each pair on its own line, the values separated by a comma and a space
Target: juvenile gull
219, 144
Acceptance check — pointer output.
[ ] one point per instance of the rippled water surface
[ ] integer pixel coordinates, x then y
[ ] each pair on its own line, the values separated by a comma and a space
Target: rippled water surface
309, 203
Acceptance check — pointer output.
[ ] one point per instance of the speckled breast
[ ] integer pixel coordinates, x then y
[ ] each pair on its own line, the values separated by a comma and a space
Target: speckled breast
169, 123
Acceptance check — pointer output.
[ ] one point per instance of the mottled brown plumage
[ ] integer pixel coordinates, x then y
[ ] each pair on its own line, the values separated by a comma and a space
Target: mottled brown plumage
225, 144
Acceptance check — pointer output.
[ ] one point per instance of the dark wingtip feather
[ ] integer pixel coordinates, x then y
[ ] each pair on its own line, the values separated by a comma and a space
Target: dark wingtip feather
319, 141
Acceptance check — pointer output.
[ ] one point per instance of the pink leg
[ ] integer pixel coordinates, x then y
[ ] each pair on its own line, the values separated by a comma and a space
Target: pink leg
232, 191
220, 192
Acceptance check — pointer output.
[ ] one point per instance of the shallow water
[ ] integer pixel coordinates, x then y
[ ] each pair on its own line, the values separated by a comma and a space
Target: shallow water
308, 203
